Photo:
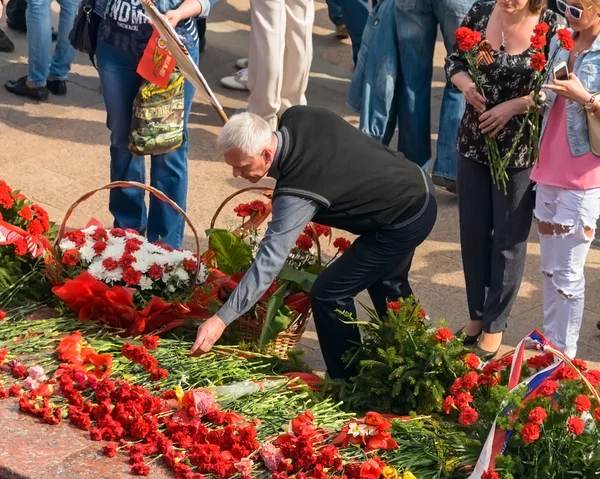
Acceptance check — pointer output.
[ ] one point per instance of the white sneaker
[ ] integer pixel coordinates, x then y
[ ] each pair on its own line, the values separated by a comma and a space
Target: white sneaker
239, 81
242, 63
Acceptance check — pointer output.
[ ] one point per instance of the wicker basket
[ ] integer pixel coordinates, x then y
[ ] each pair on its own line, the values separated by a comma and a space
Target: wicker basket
249, 327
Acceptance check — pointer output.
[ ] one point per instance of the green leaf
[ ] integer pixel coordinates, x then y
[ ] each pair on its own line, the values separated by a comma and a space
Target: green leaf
232, 253
301, 278
278, 316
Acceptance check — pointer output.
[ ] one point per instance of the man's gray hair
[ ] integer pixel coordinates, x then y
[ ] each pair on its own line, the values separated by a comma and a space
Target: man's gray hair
246, 132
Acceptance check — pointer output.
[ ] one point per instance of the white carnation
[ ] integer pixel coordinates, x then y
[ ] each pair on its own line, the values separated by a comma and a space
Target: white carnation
129, 235
167, 277
67, 244
145, 282
114, 251
171, 288
115, 240
87, 253
175, 257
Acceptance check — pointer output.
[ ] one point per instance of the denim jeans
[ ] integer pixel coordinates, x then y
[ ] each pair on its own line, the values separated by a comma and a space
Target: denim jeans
378, 261
417, 26
39, 40
356, 13
562, 259
335, 11
169, 171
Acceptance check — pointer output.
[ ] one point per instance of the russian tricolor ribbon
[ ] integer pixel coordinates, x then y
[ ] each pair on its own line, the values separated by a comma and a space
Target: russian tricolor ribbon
36, 244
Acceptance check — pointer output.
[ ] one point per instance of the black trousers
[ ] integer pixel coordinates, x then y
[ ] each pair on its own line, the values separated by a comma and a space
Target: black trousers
378, 262
493, 238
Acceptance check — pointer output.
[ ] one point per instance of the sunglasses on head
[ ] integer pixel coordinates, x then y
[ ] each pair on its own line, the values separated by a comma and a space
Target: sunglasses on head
574, 12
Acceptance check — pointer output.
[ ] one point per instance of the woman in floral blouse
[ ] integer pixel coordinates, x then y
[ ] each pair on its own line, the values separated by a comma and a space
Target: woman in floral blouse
494, 226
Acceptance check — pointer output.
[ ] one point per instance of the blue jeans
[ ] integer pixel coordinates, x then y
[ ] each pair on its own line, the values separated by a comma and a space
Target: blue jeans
336, 14
39, 40
168, 173
417, 25
356, 13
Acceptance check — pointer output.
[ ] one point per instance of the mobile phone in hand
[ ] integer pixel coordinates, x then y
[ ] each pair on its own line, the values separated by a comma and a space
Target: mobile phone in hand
561, 71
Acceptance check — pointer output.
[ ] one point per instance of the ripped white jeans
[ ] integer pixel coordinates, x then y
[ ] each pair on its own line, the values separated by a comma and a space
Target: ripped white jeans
571, 216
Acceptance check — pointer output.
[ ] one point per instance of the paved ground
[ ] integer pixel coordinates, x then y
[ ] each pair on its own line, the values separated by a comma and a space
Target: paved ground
58, 150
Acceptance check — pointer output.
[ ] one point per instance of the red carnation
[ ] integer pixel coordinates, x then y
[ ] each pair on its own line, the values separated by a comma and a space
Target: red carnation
99, 247
530, 432
442, 335
448, 404
77, 237
20, 246
538, 42
537, 415
258, 206
242, 210
110, 264
342, 244
190, 265
140, 469
155, 272
538, 61
580, 364
19, 372
490, 475
14, 391
468, 416
70, 258
3, 351
541, 29
394, 306
548, 388
467, 39
575, 426
469, 381
132, 277
35, 228
150, 342
2, 316
565, 39
126, 260
117, 232
566, 373
593, 377
158, 374
100, 234
26, 213
472, 361
304, 242
582, 403
597, 414
462, 400
110, 449
3, 393
132, 245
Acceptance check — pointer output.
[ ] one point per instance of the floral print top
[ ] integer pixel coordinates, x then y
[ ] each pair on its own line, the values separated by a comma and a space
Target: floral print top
508, 77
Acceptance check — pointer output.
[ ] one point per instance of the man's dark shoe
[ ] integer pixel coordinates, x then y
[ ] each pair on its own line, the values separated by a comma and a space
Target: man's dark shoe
23, 29
5, 44
20, 87
57, 87
442, 182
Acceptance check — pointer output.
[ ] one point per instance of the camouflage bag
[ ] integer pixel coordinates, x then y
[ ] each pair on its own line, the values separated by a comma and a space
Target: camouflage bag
157, 122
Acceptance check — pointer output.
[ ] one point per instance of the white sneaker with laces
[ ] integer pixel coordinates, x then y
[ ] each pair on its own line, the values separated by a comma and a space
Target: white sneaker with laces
242, 63
239, 81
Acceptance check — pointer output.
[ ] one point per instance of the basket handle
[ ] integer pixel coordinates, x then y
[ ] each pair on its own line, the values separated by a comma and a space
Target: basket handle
126, 184
259, 219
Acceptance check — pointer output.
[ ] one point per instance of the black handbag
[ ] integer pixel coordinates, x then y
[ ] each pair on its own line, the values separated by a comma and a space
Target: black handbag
84, 35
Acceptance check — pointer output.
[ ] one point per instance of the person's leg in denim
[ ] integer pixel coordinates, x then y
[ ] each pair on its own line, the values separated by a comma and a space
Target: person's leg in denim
449, 14
335, 12
39, 40
120, 84
64, 53
356, 13
169, 174
416, 28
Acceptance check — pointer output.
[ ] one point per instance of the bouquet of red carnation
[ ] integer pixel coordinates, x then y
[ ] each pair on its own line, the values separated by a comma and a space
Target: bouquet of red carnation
24, 237
543, 417
120, 278
286, 305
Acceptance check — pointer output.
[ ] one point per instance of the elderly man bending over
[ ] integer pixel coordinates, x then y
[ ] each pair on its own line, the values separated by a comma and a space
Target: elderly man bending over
330, 173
